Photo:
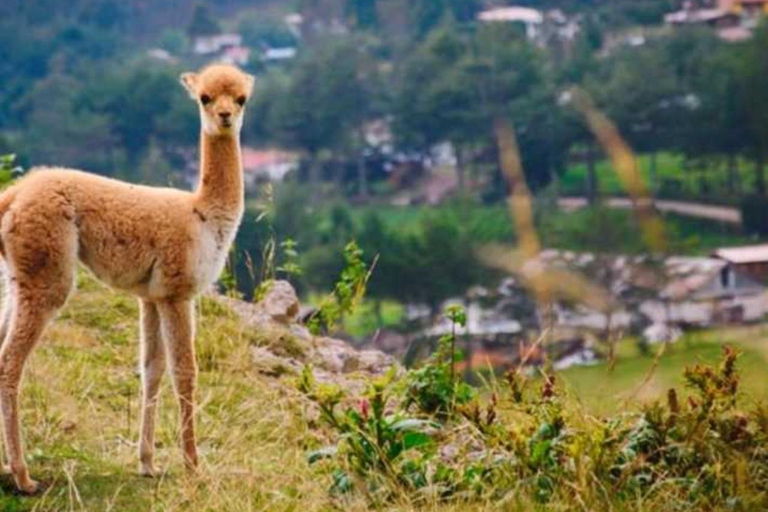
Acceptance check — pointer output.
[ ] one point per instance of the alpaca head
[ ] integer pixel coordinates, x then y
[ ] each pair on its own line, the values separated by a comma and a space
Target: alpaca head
221, 92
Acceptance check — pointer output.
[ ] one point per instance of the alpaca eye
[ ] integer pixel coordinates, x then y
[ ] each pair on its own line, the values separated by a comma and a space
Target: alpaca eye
241, 100
205, 99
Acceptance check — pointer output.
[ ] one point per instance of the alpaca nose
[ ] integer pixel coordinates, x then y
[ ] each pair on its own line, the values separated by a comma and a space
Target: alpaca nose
225, 115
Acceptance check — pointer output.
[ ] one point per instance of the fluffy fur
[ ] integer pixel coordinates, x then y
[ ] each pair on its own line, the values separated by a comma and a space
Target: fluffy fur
161, 244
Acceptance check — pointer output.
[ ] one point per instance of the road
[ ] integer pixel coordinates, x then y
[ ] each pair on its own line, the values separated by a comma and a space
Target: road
725, 214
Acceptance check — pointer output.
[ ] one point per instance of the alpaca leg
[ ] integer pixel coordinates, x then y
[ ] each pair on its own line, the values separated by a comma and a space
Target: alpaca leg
41, 254
152, 360
177, 321
5, 322
26, 328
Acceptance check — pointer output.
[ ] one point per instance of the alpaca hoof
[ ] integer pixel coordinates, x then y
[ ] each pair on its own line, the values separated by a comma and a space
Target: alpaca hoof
28, 488
148, 471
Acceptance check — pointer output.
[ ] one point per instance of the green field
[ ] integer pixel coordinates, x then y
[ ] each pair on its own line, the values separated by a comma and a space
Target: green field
635, 378
700, 181
559, 229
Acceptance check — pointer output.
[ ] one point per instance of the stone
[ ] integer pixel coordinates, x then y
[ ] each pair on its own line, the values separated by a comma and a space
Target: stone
281, 303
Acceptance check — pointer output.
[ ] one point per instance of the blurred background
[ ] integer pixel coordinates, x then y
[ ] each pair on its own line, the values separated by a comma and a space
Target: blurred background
585, 177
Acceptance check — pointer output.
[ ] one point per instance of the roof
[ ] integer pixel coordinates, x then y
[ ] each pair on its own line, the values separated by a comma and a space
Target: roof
254, 159
734, 34
730, 3
700, 278
745, 254
511, 14
280, 53
697, 16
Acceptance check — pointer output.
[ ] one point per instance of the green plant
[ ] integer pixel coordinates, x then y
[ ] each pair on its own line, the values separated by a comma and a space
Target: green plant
347, 292
290, 265
434, 388
371, 441
525, 446
9, 171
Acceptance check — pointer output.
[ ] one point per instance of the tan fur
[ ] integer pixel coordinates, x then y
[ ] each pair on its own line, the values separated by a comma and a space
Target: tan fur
163, 245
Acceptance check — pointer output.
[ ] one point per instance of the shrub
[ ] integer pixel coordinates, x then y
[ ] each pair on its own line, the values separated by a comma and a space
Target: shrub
519, 444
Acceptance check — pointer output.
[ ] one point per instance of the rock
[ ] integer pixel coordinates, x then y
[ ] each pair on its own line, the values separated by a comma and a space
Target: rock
273, 365
283, 346
374, 362
331, 354
281, 303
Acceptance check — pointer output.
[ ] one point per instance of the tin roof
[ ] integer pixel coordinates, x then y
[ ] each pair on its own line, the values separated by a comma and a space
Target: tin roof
745, 254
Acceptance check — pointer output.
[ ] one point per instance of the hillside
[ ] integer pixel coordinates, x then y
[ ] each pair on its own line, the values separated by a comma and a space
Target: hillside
80, 417
413, 441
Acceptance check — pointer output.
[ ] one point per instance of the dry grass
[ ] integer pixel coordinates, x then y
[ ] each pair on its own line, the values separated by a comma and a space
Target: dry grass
80, 414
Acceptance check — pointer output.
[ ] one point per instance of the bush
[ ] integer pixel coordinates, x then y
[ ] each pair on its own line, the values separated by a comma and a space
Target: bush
754, 214
530, 448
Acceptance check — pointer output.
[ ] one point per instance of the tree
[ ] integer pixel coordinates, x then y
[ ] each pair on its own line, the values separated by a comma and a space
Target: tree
754, 80
363, 13
318, 109
203, 23
453, 87
259, 31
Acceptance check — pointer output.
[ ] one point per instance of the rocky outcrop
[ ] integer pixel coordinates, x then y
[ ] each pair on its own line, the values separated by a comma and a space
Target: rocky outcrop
282, 345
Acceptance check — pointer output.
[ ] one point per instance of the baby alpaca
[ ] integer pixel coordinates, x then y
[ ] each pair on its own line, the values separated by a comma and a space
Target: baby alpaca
161, 244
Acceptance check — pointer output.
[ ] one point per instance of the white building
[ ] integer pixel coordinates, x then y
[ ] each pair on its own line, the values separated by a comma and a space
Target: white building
532, 19
267, 165
207, 45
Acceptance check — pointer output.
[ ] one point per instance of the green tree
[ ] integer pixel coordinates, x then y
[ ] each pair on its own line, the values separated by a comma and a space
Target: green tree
203, 23
317, 111
754, 76
363, 13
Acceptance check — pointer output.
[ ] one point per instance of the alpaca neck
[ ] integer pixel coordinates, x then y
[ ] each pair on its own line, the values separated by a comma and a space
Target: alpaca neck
221, 173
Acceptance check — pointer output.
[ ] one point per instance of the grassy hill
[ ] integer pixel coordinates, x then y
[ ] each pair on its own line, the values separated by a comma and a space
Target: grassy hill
80, 417
80, 412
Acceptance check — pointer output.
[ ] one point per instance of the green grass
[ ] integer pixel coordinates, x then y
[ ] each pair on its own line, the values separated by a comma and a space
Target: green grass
558, 229
80, 420
618, 232
363, 322
80, 414
634, 379
484, 223
673, 180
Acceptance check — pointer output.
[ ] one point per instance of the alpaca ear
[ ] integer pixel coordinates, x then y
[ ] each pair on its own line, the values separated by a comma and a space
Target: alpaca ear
249, 81
189, 81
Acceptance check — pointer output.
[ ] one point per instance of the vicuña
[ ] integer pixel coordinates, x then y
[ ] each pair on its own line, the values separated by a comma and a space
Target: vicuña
161, 244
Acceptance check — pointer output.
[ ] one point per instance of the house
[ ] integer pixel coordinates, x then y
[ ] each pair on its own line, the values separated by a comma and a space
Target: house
267, 165
733, 20
705, 291
235, 55
748, 8
207, 45
714, 17
751, 260
532, 19
279, 54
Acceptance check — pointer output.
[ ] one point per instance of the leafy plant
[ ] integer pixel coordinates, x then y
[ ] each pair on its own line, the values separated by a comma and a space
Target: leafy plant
347, 292
434, 388
371, 441
696, 454
9, 171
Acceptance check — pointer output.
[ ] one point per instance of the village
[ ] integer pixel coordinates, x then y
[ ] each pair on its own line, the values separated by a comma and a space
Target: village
655, 300
555, 30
